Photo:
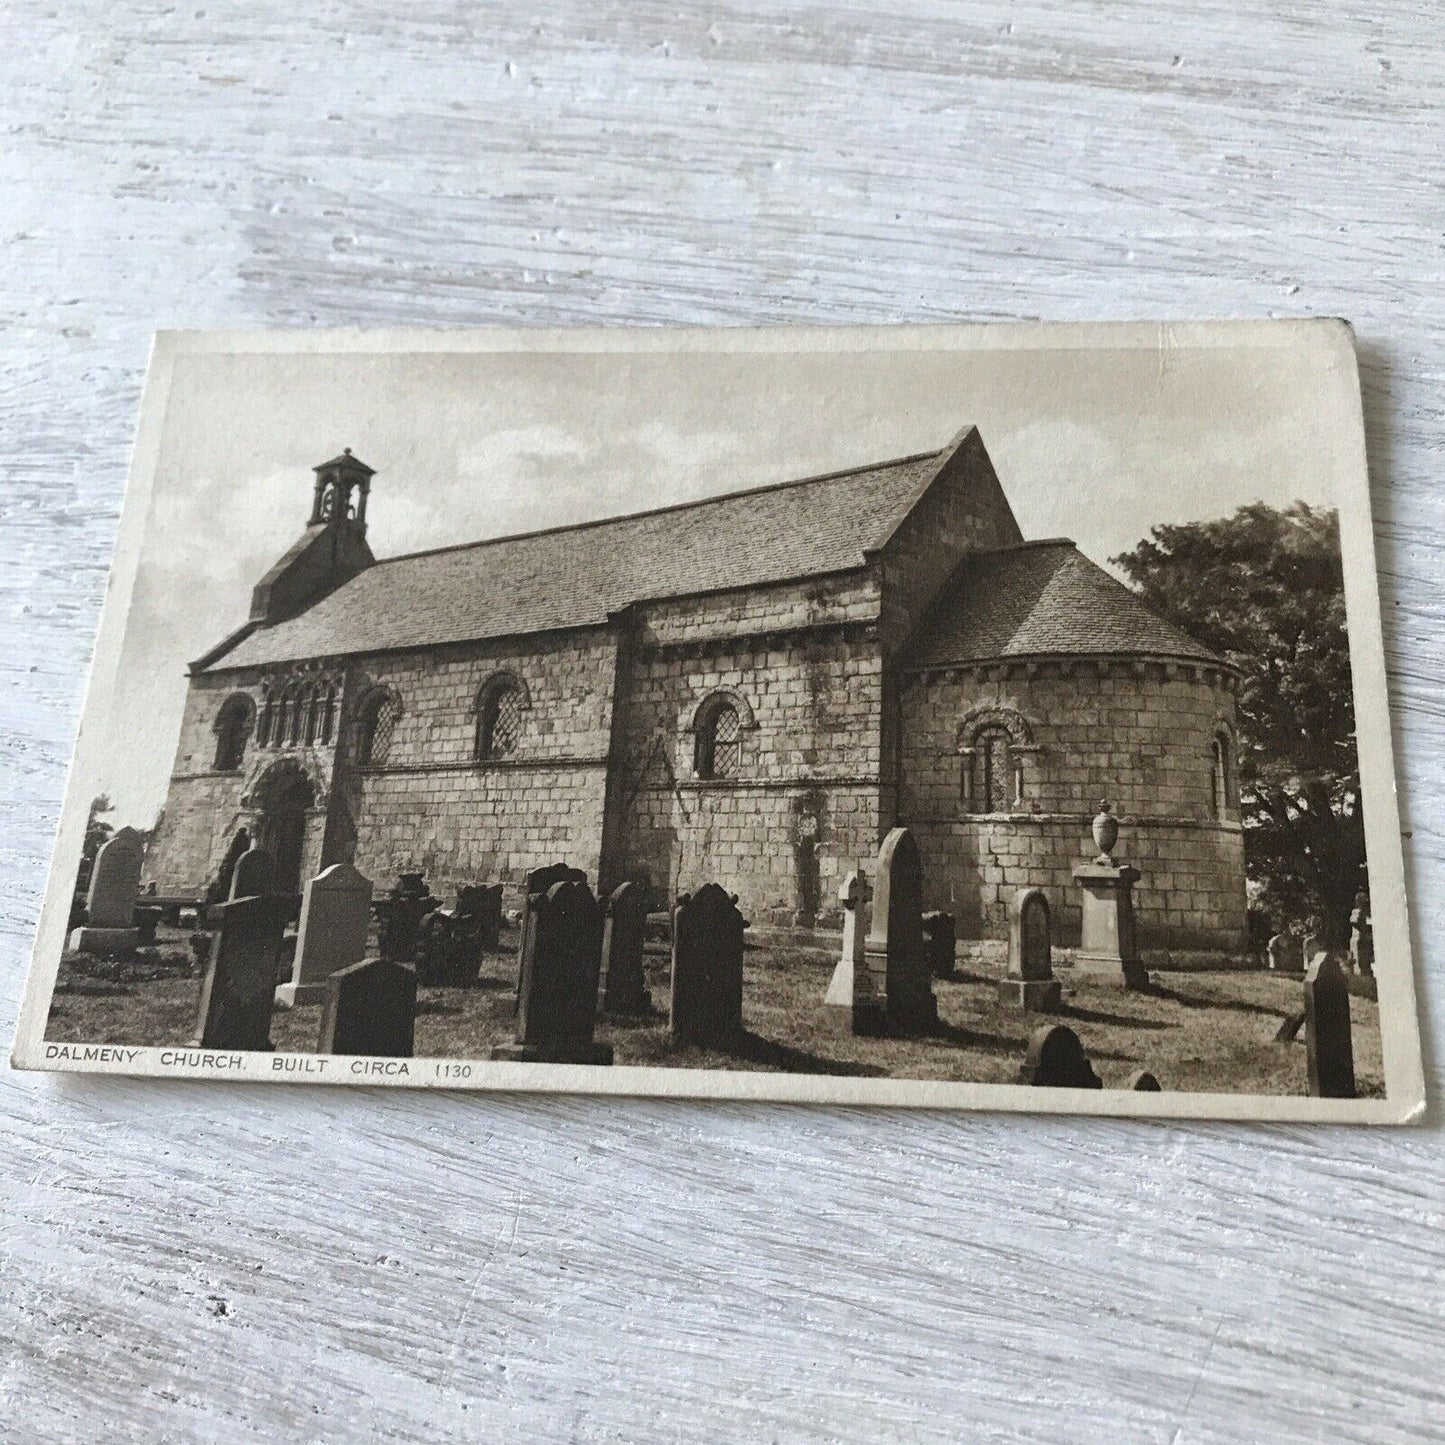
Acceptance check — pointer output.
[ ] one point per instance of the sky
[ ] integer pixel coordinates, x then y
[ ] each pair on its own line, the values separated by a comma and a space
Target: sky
1095, 444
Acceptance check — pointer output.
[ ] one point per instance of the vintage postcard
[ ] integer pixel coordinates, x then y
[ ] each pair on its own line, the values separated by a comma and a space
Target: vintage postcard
986, 716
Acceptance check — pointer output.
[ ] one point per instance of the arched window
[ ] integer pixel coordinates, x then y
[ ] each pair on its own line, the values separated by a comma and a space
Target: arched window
1223, 774
995, 787
374, 730
719, 742
994, 742
233, 727
266, 721
499, 718
323, 714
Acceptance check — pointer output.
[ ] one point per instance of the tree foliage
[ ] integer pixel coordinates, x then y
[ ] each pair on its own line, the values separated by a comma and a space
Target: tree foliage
1265, 588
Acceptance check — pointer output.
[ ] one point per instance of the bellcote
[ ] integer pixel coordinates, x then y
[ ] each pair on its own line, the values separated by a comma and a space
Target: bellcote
330, 552
342, 486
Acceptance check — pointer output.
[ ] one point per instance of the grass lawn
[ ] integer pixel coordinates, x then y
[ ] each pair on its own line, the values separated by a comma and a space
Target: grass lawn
1204, 1032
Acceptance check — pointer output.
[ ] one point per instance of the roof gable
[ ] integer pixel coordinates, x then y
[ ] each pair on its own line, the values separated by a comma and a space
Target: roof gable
577, 576
1044, 599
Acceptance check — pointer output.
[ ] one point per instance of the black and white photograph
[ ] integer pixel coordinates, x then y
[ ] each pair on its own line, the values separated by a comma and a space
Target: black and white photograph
976, 716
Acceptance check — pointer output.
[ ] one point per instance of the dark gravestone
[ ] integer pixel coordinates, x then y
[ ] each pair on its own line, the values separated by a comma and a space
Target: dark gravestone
558, 1004
1327, 1029
1143, 1080
399, 916
940, 938
624, 988
370, 1009
1289, 1030
238, 991
254, 875
894, 992
1056, 1060
453, 941
707, 968
147, 920
537, 884
483, 904
1030, 983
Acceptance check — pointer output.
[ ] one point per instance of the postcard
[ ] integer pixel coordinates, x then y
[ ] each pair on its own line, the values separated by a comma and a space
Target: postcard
977, 716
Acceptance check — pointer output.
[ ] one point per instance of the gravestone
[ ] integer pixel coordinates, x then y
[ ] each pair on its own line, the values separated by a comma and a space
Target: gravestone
254, 874
893, 991
370, 1010
110, 901
1327, 1029
853, 894
1056, 1060
1285, 953
707, 968
1313, 943
537, 884
1108, 943
624, 926
399, 916
482, 903
940, 938
453, 941
1143, 1080
559, 974
1030, 983
238, 991
335, 915
1362, 940
1290, 1026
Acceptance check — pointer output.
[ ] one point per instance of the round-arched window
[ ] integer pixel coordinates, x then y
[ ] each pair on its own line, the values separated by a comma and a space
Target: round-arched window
375, 728
499, 719
719, 743
233, 729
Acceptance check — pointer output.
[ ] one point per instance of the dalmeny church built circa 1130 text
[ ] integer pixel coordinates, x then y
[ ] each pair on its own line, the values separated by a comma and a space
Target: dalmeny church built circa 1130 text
750, 689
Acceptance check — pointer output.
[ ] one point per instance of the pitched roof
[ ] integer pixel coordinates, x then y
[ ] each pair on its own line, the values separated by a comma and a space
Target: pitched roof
1044, 598
575, 576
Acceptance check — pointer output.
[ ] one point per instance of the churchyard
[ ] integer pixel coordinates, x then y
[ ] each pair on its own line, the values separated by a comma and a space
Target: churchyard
1210, 1032
575, 979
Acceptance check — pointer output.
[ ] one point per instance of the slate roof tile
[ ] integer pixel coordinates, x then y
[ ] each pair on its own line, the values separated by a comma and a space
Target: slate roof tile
1044, 598
575, 576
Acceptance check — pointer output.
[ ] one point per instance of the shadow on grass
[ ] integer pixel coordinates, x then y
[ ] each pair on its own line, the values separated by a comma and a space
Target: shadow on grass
1243, 1006
769, 1052
1118, 1021
960, 975
972, 1039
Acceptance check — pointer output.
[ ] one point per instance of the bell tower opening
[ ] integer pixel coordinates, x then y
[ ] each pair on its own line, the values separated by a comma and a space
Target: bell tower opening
342, 486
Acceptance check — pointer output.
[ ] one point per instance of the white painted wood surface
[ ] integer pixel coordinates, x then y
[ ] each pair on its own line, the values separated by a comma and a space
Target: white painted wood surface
196, 1262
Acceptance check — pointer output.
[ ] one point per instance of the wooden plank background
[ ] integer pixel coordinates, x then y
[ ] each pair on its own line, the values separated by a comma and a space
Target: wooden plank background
199, 1262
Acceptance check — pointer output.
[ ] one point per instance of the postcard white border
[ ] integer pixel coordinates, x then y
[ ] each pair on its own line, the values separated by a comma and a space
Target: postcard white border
1395, 977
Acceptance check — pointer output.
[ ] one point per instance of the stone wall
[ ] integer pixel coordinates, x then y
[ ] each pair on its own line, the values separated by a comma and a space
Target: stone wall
204, 805
1139, 734
804, 668
433, 806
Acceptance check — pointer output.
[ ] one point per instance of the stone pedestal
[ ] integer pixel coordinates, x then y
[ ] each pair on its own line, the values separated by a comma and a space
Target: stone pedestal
1108, 948
1033, 995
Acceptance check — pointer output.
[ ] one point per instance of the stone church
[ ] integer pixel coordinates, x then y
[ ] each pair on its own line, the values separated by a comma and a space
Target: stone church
750, 689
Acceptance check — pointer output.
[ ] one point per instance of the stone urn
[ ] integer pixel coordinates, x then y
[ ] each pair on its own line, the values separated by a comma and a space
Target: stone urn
1106, 833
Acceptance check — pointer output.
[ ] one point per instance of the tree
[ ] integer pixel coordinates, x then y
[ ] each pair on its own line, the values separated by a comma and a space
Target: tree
1265, 588
97, 831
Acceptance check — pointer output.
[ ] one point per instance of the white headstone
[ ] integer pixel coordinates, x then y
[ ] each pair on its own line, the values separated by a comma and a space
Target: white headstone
115, 881
853, 895
335, 915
